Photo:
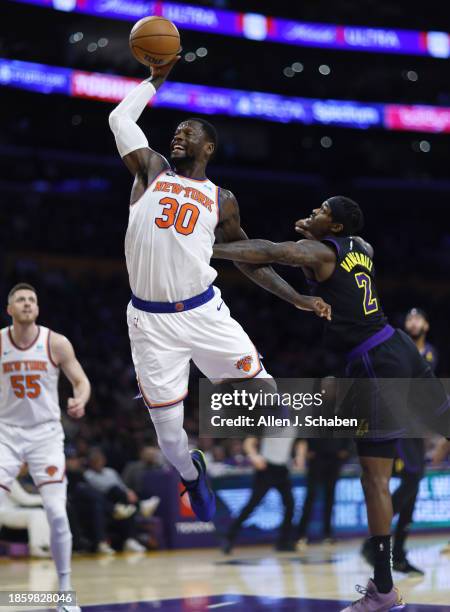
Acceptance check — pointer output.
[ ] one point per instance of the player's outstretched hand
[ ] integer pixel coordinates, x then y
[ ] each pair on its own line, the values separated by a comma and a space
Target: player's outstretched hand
316, 305
75, 408
162, 72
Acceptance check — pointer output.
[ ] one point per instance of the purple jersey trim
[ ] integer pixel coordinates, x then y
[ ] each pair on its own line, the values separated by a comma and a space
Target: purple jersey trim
335, 242
378, 338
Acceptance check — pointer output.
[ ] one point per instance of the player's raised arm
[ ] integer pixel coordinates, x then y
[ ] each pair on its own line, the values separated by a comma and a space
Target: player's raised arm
64, 356
132, 144
229, 230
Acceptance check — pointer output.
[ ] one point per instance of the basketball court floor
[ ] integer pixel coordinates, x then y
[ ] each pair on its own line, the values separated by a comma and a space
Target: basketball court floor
322, 578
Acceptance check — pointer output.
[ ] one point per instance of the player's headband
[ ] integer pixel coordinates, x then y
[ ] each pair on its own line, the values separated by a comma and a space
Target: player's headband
340, 214
337, 210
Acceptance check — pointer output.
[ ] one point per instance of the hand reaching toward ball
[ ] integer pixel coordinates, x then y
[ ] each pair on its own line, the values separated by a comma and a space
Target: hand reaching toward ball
162, 72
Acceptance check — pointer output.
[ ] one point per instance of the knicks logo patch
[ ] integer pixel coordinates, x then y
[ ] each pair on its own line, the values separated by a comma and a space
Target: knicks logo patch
51, 470
245, 363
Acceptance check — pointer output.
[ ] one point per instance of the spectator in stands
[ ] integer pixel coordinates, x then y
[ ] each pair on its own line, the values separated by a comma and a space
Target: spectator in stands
134, 472
124, 501
87, 509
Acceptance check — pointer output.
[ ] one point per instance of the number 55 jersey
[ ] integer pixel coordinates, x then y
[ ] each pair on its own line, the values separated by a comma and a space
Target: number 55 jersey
28, 381
169, 240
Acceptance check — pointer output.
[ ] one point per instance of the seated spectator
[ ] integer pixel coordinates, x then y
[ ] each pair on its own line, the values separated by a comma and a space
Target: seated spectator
86, 508
22, 510
124, 501
134, 472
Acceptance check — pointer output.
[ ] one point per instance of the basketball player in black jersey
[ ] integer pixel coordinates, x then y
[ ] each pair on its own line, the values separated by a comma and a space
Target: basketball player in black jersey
340, 266
409, 463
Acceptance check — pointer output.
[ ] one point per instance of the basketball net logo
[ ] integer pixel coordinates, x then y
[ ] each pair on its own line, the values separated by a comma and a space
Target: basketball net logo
51, 470
245, 363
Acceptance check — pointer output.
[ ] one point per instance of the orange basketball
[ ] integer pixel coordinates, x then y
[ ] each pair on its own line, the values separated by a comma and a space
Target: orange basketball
154, 41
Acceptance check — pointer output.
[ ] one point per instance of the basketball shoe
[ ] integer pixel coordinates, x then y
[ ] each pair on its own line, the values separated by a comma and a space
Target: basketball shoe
374, 601
201, 496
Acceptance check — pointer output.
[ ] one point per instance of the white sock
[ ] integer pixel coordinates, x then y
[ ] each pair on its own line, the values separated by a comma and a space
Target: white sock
54, 498
173, 440
64, 581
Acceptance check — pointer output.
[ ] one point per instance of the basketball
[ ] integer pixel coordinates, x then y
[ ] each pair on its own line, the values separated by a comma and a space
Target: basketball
154, 41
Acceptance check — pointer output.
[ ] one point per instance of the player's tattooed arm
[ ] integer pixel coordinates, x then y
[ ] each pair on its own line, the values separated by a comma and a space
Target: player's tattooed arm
305, 253
63, 355
229, 230
310, 255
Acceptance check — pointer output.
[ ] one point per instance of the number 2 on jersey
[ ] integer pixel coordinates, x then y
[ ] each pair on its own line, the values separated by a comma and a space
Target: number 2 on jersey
370, 302
183, 217
31, 388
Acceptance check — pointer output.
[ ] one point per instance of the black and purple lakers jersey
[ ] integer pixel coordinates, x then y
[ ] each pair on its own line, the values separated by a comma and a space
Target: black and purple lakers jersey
430, 355
356, 310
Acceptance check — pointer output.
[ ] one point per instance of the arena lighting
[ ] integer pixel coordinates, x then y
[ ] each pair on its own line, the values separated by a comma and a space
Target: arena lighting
235, 103
260, 27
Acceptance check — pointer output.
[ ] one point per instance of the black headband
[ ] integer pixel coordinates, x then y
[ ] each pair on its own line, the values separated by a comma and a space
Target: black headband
338, 211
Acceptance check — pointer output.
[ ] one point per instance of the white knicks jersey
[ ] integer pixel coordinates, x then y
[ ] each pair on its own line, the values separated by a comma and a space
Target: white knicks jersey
170, 236
28, 381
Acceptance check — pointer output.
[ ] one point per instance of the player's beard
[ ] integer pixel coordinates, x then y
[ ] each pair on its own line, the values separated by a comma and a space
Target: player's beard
26, 317
416, 335
182, 162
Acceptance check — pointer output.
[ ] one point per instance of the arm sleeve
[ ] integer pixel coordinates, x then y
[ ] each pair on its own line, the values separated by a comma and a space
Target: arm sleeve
122, 121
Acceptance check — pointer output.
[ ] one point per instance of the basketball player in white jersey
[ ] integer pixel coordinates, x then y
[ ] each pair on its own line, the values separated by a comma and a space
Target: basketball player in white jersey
31, 357
176, 314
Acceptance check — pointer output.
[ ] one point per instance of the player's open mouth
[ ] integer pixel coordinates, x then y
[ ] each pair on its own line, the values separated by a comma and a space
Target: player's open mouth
178, 148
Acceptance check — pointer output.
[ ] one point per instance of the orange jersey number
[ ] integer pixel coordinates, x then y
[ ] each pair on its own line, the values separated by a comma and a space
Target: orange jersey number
183, 217
26, 385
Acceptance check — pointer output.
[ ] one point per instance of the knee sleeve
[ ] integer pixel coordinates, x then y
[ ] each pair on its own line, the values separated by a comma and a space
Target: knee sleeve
54, 499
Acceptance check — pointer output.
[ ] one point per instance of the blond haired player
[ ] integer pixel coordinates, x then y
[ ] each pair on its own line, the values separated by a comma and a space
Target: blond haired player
31, 357
176, 314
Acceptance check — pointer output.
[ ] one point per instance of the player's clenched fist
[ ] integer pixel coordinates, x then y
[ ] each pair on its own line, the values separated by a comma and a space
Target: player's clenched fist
75, 407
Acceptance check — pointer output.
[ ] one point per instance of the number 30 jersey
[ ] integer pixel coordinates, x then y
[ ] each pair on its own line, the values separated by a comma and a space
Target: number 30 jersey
352, 295
170, 236
28, 381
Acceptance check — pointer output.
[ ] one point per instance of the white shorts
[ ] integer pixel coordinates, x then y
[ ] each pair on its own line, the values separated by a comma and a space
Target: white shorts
41, 447
162, 345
